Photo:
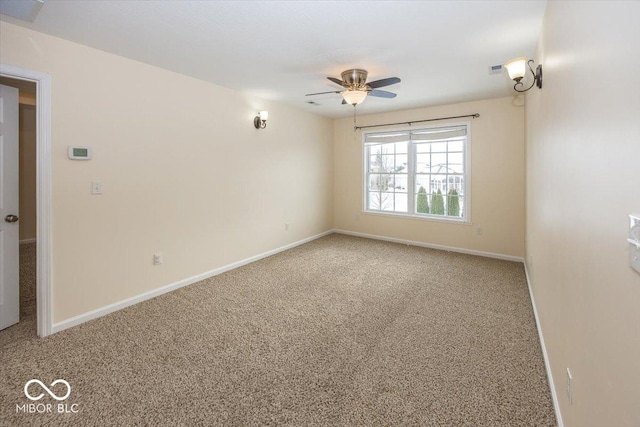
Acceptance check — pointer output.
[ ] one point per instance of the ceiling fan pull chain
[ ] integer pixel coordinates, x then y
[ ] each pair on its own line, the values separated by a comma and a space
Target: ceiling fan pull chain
354, 118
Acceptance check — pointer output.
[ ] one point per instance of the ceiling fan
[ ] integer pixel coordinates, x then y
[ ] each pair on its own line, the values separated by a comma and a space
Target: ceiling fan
356, 87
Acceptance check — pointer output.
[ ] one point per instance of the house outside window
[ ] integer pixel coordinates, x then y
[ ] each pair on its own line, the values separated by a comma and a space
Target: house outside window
421, 173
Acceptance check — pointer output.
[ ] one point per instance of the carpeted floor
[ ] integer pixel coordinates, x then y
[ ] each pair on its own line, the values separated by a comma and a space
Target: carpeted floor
340, 331
28, 281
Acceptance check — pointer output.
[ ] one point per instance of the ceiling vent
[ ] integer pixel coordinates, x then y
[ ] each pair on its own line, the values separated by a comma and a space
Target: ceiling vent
25, 10
496, 69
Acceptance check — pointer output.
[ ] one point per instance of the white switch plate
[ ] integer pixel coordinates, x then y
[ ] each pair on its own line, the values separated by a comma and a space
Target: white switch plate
157, 259
96, 187
634, 242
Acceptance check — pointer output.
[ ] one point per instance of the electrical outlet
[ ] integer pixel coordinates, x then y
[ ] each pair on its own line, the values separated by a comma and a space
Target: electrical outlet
357, 217
479, 231
157, 259
569, 390
286, 226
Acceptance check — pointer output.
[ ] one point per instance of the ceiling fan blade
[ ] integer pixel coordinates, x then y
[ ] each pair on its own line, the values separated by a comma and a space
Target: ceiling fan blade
382, 94
343, 101
322, 93
336, 81
383, 82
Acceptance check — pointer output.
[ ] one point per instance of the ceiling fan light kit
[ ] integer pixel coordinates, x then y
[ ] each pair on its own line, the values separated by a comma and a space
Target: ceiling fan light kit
357, 89
354, 97
517, 69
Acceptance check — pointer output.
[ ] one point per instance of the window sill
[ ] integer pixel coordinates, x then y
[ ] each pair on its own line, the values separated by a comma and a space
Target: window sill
419, 217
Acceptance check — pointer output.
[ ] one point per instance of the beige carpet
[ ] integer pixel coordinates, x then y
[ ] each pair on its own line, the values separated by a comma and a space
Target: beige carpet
340, 331
28, 281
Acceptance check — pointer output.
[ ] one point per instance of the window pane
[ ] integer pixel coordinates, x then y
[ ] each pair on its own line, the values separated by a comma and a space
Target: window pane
455, 182
422, 200
438, 147
380, 201
422, 181
455, 205
387, 162
386, 149
401, 200
422, 163
436, 203
391, 185
456, 158
439, 163
401, 147
438, 182
374, 182
401, 163
423, 148
379, 182
400, 183
372, 163
375, 149
455, 146
387, 201
456, 168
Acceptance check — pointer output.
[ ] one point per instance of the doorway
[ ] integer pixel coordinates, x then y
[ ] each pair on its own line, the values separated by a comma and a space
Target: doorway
40, 251
27, 211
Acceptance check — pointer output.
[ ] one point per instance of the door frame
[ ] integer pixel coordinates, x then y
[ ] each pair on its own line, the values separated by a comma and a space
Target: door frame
43, 192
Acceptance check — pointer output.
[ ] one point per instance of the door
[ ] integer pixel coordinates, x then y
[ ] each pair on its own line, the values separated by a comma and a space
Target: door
9, 252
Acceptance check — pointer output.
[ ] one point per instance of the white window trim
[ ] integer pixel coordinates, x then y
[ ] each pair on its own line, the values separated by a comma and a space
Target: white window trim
465, 220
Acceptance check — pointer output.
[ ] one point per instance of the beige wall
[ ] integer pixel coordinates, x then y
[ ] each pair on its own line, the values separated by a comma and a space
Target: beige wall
497, 180
27, 178
184, 173
583, 179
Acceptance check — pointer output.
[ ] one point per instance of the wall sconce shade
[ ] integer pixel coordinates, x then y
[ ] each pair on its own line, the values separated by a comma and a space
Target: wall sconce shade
354, 97
517, 69
260, 121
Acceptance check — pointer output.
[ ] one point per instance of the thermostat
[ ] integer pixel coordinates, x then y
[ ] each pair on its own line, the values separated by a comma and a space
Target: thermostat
80, 153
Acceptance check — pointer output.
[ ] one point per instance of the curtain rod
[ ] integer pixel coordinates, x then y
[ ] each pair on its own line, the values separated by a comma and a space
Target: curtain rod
475, 116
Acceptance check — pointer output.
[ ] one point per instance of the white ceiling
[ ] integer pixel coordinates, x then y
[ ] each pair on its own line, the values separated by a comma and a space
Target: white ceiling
281, 50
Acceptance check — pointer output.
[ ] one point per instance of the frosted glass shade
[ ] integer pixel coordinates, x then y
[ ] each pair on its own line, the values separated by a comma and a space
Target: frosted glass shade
354, 97
516, 68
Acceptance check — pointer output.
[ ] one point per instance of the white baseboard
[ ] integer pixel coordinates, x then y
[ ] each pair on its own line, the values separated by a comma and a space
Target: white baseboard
554, 396
25, 241
432, 246
94, 314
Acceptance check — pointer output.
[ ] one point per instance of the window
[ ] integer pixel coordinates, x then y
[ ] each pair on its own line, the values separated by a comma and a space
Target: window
418, 172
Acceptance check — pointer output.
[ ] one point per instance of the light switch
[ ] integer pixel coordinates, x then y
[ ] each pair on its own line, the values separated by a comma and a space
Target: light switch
634, 242
96, 187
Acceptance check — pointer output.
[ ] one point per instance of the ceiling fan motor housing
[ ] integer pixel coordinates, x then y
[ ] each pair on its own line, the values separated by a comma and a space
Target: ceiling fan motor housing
355, 79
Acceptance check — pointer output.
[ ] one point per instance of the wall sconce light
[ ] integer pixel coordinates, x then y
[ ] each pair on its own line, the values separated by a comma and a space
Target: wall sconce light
517, 68
260, 122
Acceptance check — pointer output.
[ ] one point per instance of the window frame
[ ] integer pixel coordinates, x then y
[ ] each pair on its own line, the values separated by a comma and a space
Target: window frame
411, 177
